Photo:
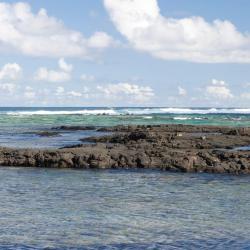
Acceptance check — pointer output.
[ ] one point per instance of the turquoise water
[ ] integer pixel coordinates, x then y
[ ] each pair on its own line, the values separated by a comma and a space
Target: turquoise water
113, 116
72, 209
17, 123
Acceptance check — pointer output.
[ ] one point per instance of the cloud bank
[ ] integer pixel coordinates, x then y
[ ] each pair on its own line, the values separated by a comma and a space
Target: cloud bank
10, 71
219, 89
61, 75
130, 92
38, 34
190, 39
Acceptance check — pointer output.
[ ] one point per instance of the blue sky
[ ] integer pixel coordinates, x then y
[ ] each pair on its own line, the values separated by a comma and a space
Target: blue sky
175, 54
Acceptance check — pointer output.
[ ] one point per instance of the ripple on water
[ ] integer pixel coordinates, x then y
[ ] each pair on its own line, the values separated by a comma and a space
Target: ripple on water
70, 209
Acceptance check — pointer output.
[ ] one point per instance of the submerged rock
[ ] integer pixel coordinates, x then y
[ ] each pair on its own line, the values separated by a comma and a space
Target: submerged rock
48, 133
74, 128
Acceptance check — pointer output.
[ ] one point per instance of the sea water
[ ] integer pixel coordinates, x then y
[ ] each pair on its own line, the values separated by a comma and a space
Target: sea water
18, 126
122, 209
115, 209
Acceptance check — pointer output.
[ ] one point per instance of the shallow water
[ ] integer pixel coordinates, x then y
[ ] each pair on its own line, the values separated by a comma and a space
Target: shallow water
57, 116
244, 148
17, 123
115, 209
27, 138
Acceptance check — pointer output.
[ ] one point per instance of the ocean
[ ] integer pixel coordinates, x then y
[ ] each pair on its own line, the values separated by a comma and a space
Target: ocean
117, 209
18, 125
122, 209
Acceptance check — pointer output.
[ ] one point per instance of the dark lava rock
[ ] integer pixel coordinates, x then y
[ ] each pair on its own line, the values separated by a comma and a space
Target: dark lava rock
74, 128
48, 133
164, 147
135, 136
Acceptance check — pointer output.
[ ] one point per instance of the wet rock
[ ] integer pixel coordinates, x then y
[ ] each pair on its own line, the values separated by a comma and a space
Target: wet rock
48, 133
74, 128
156, 147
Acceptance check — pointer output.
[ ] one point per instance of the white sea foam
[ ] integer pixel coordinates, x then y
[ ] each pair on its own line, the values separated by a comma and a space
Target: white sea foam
188, 111
199, 118
65, 112
145, 111
132, 111
182, 118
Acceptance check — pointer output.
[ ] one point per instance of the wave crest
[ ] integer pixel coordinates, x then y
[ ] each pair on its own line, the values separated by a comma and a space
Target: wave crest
130, 111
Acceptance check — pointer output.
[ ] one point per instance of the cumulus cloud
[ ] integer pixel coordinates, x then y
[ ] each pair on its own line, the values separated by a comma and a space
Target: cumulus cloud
218, 82
181, 91
65, 66
219, 89
29, 93
74, 93
87, 78
132, 92
38, 34
101, 40
190, 39
60, 91
61, 75
8, 88
10, 71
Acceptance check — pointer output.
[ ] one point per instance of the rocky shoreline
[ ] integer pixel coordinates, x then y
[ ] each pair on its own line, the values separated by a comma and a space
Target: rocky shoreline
181, 148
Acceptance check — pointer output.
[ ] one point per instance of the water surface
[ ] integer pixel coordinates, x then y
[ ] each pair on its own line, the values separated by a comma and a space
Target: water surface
18, 126
73, 209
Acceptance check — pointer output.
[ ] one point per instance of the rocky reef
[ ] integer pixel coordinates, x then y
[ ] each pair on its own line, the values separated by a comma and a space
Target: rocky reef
165, 147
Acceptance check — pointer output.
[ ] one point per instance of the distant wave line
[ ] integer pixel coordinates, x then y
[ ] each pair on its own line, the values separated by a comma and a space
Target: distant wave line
131, 111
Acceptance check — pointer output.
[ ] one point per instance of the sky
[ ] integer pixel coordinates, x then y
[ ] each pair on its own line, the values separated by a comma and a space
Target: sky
182, 53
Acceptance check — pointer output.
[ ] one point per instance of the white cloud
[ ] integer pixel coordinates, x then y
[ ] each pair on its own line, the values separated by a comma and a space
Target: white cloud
219, 89
10, 71
181, 91
43, 74
87, 78
219, 82
29, 93
59, 91
190, 39
132, 92
74, 93
101, 40
61, 75
65, 66
8, 88
38, 34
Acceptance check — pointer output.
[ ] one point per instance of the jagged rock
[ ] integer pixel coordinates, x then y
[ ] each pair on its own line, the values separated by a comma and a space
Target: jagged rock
199, 149
73, 128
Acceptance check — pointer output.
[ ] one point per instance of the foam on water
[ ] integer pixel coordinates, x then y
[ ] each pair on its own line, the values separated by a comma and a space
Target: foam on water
128, 111
148, 117
182, 118
15, 122
65, 112
205, 111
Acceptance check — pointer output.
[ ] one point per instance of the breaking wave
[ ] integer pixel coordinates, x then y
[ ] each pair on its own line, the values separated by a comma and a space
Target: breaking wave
127, 111
66, 112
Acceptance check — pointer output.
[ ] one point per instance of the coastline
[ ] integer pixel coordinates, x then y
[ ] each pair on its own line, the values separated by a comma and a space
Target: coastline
181, 148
